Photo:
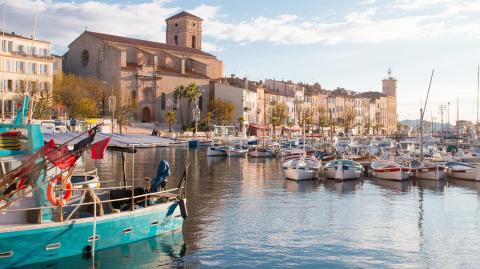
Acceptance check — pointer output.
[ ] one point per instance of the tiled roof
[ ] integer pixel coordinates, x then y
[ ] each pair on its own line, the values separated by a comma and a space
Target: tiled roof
146, 43
371, 95
184, 14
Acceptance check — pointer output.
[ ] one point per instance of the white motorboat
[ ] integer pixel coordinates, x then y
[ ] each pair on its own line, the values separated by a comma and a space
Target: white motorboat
386, 169
236, 152
302, 168
463, 170
433, 171
82, 179
343, 170
217, 151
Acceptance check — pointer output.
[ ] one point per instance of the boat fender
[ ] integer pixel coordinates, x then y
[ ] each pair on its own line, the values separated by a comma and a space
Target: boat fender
59, 200
183, 208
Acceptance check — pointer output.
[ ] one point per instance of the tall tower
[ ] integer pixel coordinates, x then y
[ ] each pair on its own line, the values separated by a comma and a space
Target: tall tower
389, 85
184, 29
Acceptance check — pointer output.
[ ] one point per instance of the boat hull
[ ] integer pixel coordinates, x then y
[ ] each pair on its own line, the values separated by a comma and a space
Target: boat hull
398, 175
352, 174
35, 243
213, 152
300, 174
429, 173
470, 174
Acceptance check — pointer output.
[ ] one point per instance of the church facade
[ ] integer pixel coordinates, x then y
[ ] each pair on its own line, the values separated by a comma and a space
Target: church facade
148, 72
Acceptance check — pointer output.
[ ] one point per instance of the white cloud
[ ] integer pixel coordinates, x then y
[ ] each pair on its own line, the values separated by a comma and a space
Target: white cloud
62, 22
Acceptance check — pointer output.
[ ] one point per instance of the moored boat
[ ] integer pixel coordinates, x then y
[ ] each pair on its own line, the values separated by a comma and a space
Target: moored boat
463, 170
343, 170
386, 169
433, 171
302, 168
217, 151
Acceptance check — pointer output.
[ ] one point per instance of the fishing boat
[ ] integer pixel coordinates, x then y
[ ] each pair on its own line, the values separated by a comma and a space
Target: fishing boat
217, 151
426, 170
82, 179
343, 170
302, 168
386, 169
37, 221
463, 170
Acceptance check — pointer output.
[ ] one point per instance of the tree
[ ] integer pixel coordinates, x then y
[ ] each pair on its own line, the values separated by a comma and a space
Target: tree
180, 93
348, 120
192, 93
171, 117
222, 111
208, 120
308, 118
322, 118
125, 105
80, 96
279, 115
240, 121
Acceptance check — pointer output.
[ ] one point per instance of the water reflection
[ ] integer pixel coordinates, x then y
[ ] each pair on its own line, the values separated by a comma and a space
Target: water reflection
244, 213
301, 186
401, 186
165, 251
343, 187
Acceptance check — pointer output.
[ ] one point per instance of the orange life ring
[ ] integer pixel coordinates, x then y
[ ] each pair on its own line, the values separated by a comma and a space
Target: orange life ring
60, 200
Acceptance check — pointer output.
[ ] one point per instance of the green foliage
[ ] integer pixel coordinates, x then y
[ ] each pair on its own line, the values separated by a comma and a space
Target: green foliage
207, 120
192, 93
79, 95
179, 93
222, 111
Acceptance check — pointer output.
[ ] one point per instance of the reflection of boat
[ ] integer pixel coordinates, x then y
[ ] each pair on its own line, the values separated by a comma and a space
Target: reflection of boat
217, 151
161, 250
343, 186
343, 170
300, 186
386, 169
463, 170
394, 185
474, 185
302, 168
432, 171
431, 184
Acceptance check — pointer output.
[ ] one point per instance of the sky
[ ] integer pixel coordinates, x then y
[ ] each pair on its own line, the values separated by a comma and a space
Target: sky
341, 43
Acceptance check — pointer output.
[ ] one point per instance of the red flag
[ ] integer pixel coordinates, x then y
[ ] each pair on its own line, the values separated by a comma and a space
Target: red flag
98, 149
61, 157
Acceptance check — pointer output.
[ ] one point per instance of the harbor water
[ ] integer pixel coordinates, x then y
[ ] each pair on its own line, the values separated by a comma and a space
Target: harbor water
244, 214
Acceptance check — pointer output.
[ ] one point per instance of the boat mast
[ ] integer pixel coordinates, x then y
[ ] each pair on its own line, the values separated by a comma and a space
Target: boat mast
4, 47
422, 113
478, 93
456, 123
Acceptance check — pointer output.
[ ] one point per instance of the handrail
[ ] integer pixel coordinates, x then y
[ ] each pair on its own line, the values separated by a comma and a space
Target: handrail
91, 203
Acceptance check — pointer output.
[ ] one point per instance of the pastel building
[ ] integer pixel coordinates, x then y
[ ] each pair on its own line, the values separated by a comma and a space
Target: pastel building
26, 65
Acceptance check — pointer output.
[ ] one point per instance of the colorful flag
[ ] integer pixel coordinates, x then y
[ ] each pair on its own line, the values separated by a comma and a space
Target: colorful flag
98, 149
61, 157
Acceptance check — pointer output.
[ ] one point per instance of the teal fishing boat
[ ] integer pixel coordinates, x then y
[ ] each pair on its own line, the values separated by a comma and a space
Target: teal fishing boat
43, 218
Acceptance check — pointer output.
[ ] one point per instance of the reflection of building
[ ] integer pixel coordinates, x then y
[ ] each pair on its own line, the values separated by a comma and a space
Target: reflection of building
26, 65
148, 72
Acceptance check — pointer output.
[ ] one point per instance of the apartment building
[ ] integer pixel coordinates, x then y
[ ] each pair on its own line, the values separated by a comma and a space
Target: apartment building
26, 65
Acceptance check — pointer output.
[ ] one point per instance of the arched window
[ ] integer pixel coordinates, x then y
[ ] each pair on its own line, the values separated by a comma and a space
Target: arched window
200, 102
162, 101
194, 41
175, 38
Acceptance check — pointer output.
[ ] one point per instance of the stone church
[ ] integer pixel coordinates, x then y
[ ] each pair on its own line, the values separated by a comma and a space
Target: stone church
147, 71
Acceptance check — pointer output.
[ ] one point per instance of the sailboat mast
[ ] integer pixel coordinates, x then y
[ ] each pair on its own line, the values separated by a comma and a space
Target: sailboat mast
4, 47
478, 93
456, 123
422, 113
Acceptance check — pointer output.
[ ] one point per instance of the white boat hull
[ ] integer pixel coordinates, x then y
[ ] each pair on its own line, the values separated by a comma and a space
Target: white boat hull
213, 152
470, 174
260, 154
300, 174
430, 174
394, 175
344, 175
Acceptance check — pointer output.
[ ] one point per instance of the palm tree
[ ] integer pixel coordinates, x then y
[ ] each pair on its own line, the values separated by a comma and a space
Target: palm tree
179, 93
192, 93
171, 117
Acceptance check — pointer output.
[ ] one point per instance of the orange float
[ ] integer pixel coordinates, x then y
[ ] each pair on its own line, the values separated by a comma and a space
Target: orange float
51, 195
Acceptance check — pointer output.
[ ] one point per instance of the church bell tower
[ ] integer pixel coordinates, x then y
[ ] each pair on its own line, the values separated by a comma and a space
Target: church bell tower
184, 29
389, 85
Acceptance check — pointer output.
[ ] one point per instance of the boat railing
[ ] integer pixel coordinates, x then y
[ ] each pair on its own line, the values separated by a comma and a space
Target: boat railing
133, 197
